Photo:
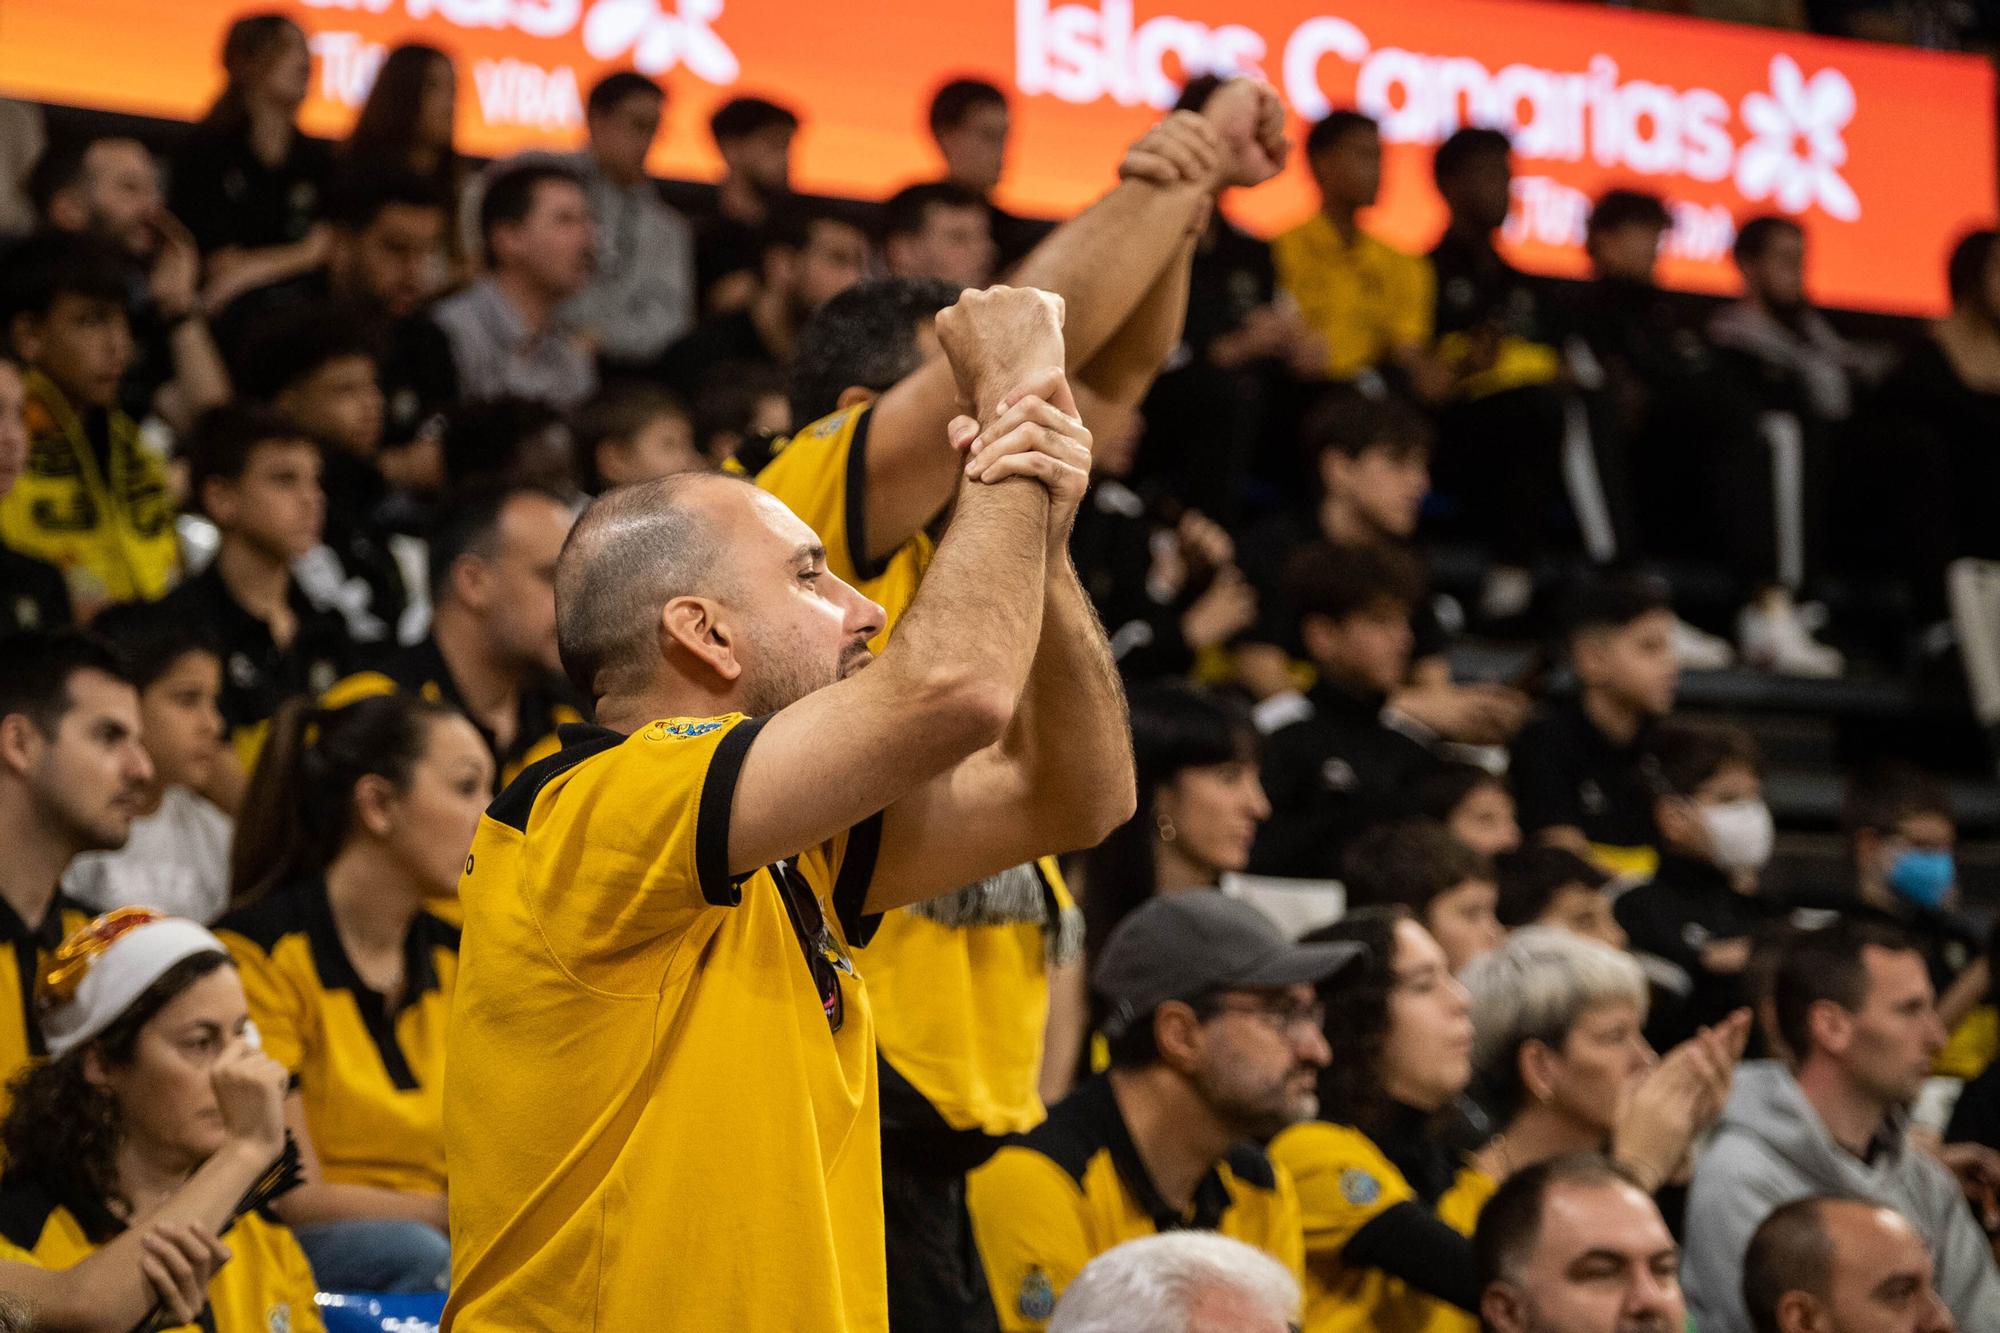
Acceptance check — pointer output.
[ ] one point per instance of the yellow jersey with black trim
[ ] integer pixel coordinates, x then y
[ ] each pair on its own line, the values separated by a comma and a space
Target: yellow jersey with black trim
661, 1108
99, 510
266, 1286
370, 1077
20, 965
1053, 1200
821, 473
1345, 1182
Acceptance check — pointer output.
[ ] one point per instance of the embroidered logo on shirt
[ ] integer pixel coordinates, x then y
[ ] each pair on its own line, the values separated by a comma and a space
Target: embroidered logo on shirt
1358, 1187
1338, 775
1037, 1299
1591, 796
679, 731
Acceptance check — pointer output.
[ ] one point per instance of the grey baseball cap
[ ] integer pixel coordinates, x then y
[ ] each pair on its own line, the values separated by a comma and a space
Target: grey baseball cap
1180, 946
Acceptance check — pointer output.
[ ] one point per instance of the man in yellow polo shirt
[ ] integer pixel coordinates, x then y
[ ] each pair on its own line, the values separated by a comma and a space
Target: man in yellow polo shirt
960, 982
660, 1095
1370, 302
1215, 1044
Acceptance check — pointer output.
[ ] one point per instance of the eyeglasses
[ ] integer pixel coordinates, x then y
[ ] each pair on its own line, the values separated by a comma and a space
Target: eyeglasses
1285, 1017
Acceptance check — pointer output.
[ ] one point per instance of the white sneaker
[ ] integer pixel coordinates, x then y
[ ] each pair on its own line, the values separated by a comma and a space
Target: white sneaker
1698, 650
1777, 640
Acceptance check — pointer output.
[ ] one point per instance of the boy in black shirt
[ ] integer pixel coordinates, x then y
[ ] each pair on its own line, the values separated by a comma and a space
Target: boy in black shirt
1578, 777
1352, 763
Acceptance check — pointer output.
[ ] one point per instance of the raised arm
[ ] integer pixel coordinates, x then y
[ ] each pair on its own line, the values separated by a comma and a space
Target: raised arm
1120, 268
947, 685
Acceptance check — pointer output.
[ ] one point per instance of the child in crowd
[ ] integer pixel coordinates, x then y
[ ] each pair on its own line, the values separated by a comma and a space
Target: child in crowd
1578, 772
94, 499
1448, 888
1553, 886
1474, 804
632, 431
1352, 762
177, 857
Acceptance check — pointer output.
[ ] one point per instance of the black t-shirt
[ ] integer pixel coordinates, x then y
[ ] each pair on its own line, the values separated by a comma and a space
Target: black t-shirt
1476, 288
258, 675
1014, 236
722, 246
1112, 546
228, 196
1331, 777
33, 596
1685, 907
1231, 276
1567, 772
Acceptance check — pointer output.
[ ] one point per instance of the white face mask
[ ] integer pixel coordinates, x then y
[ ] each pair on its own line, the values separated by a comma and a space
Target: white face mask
1740, 833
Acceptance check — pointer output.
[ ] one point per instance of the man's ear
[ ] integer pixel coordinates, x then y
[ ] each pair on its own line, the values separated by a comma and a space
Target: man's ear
1503, 1309
695, 626
21, 743
1800, 1312
1177, 1035
25, 332
854, 394
218, 501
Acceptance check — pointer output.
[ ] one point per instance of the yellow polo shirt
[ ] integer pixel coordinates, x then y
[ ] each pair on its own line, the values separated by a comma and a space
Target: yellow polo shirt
20, 967
1366, 299
661, 1105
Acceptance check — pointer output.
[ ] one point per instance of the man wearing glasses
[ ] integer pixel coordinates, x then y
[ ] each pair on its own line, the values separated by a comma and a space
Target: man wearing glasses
1216, 1045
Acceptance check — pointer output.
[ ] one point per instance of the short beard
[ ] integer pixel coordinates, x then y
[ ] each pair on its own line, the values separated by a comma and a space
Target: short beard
782, 675
1256, 1113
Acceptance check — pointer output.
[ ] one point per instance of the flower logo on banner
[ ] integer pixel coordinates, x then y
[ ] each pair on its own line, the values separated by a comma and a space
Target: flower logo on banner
658, 41
1798, 149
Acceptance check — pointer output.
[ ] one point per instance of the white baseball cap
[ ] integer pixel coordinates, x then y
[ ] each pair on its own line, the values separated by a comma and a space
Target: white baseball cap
102, 968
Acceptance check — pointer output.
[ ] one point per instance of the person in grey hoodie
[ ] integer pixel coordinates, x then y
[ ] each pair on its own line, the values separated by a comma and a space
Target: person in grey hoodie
1856, 1011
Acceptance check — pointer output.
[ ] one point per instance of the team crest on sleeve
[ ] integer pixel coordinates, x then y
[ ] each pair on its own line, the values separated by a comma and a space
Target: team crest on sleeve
1037, 1298
280, 1318
827, 426
1358, 1187
680, 731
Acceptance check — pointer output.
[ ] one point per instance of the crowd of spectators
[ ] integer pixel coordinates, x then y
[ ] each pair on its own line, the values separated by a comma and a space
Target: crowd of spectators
1459, 1002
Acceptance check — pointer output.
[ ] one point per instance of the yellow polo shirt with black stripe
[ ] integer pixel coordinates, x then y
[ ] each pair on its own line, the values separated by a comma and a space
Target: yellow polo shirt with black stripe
265, 1287
1344, 1183
1053, 1200
661, 1106
1366, 299
370, 1078
20, 966
961, 1012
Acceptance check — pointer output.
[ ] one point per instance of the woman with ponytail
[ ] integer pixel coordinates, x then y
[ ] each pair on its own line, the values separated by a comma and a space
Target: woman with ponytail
354, 818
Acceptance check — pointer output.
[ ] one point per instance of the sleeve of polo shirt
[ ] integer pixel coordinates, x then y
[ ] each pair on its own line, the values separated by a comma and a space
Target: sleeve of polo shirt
1299, 279
821, 475
1343, 1184
1288, 1244
1027, 1219
276, 1006
1416, 303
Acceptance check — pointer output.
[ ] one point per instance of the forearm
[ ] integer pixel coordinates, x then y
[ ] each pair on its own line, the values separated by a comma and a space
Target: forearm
200, 381
310, 1205
1124, 368
233, 272
1106, 262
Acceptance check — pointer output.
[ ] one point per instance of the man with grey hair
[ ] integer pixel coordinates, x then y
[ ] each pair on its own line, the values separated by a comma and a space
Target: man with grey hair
1840, 1264
656, 1001
1180, 1282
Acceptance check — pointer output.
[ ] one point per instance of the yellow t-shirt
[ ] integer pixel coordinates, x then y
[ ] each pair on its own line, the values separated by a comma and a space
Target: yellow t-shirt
1366, 299
1055, 1199
1344, 1183
20, 966
661, 1107
372, 1082
108, 526
265, 1287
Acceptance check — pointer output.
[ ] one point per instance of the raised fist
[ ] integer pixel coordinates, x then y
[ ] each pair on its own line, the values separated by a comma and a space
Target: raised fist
995, 338
1250, 119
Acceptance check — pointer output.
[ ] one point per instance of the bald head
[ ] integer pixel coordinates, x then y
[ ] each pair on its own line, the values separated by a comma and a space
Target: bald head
633, 551
1845, 1265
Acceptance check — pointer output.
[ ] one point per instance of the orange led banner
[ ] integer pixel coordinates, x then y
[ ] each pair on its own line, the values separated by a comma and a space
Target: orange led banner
1885, 155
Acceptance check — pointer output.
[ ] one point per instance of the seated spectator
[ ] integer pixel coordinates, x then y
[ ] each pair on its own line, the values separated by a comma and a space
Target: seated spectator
71, 771
1858, 1017
257, 479
753, 137
1578, 771
641, 295
1833, 1264
1574, 1245
1215, 1038
510, 440
1388, 1210
32, 593
1446, 886
1502, 424
507, 331
176, 859
1369, 302
356, 817
806, 256
491, 651
745, 404
246, 181
1474, 804
94, 499
1542, 885
408, 123
969, 124
155, 1116
1701, 907
631, 431
319, 367
1562, 1066
939, 230
108, 187
1183, 1279
1351, 763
